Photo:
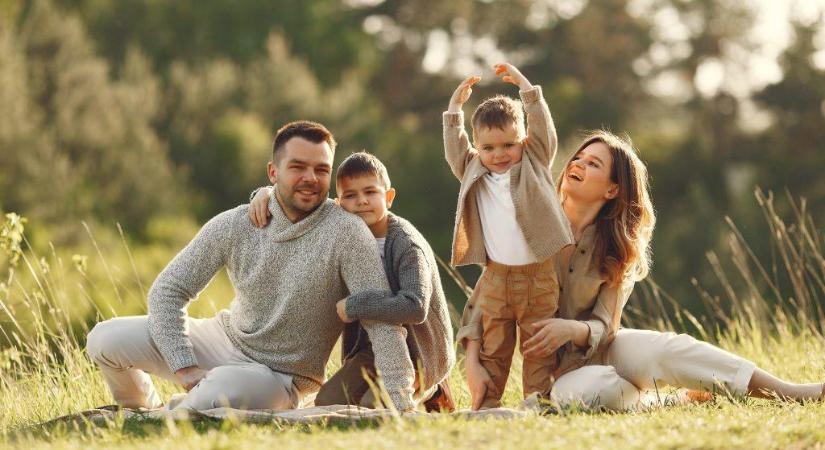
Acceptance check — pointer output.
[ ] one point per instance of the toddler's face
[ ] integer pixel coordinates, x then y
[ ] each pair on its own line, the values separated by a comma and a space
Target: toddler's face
366, 197
499, 149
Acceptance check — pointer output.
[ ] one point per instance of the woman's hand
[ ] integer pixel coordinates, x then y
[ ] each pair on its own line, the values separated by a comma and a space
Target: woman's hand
478, 380
552, 334
259, 207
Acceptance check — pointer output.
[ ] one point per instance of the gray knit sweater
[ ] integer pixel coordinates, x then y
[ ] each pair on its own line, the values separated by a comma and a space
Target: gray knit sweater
287, 278
416, 300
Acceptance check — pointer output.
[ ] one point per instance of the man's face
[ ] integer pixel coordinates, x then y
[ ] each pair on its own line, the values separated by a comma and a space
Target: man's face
366, 197
302, 175
499, 149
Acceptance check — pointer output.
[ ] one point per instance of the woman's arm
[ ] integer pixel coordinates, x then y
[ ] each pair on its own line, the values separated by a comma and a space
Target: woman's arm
606, 317
554, 333
589, 335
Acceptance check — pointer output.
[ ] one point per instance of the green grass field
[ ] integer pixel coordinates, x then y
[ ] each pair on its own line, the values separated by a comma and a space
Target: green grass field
770, 313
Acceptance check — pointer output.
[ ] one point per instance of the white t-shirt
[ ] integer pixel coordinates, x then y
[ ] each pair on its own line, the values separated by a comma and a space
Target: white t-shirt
503, 238
380, 243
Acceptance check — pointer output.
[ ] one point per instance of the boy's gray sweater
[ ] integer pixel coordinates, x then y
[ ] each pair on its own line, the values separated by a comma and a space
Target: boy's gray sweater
287, 278
416, 300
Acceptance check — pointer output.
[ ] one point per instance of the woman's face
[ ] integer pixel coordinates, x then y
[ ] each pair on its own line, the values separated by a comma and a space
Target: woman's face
587, 177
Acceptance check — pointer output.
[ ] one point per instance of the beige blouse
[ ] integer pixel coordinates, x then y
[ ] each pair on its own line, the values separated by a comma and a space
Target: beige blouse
583, 295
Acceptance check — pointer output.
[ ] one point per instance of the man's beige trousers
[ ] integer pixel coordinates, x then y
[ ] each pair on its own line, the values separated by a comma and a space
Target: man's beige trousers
126, 354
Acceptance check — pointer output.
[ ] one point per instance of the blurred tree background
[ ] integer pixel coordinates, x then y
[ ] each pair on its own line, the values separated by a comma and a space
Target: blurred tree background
157, 114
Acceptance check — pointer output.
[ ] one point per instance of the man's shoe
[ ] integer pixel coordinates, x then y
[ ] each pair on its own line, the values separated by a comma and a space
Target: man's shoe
441, 400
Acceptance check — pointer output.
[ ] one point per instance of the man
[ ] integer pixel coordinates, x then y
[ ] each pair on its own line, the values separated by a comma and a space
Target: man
270, 348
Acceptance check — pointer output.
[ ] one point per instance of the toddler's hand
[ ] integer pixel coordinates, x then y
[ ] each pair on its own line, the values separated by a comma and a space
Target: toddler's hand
259, 207
510, 74
462, 93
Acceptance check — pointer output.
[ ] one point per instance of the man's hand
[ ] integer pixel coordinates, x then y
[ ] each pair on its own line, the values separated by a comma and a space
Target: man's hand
341, 309
259, 207
462, 93
509, 74
189, 377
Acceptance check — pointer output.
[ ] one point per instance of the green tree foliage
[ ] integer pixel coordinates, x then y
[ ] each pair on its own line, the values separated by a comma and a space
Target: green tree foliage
138, 110
80, 143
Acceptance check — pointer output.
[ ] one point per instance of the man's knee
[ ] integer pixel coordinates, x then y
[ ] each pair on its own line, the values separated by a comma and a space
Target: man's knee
239, 388
99, 340
122, 342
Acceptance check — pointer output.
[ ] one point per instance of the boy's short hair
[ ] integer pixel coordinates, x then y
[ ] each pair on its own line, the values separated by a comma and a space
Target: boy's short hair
360, 164
306, 129
498, 112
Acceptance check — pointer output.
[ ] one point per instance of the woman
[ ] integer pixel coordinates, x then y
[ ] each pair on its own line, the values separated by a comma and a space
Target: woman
604, 193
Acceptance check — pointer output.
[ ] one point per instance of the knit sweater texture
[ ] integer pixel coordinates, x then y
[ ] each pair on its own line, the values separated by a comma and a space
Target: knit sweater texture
287, 279
415, 299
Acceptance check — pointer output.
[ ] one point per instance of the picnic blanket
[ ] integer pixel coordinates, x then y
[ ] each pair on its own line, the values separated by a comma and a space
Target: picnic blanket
336, 414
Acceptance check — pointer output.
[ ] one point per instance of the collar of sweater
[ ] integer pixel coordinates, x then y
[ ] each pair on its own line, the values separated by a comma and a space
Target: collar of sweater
284, 230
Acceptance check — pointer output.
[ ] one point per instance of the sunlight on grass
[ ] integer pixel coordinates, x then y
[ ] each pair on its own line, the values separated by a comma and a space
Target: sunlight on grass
770, 312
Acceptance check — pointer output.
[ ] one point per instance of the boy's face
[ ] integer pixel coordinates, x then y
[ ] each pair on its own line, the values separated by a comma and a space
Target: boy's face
366, 197
499, 149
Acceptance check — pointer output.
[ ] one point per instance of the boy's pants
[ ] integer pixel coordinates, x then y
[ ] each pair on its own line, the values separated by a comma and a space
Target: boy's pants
349, 387
126, 354
648, 360
512, 297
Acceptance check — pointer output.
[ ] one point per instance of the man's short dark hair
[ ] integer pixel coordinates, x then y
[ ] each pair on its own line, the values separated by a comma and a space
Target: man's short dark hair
498, 112
360, 164
312, 131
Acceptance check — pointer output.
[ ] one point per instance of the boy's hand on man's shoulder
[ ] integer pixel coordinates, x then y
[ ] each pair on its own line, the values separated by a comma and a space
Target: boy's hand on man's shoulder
510, 74
462, 93
259, 207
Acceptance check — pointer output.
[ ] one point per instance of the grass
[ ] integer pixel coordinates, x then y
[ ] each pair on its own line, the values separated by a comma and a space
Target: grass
769, 311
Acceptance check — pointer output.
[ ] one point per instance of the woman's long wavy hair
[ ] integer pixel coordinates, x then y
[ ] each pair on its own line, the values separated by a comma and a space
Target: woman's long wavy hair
624, 225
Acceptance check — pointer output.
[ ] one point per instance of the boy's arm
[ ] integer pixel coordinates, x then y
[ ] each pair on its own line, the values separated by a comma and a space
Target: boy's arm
457, 149
360, 268
542, 141
412, 301
259, 205
181, 281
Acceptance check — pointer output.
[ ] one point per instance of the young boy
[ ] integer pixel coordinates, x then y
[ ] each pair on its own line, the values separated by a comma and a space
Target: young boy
508, 219
417, 300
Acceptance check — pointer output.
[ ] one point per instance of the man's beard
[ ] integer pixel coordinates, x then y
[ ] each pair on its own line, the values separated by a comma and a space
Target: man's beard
289, 201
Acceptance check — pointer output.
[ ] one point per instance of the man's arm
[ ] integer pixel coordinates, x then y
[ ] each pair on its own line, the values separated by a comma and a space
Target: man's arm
361, 270
181, 281
412, 301
457, 147
542, 141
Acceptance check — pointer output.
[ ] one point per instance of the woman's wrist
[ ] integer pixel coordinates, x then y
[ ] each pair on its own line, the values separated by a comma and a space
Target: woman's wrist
580, 332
